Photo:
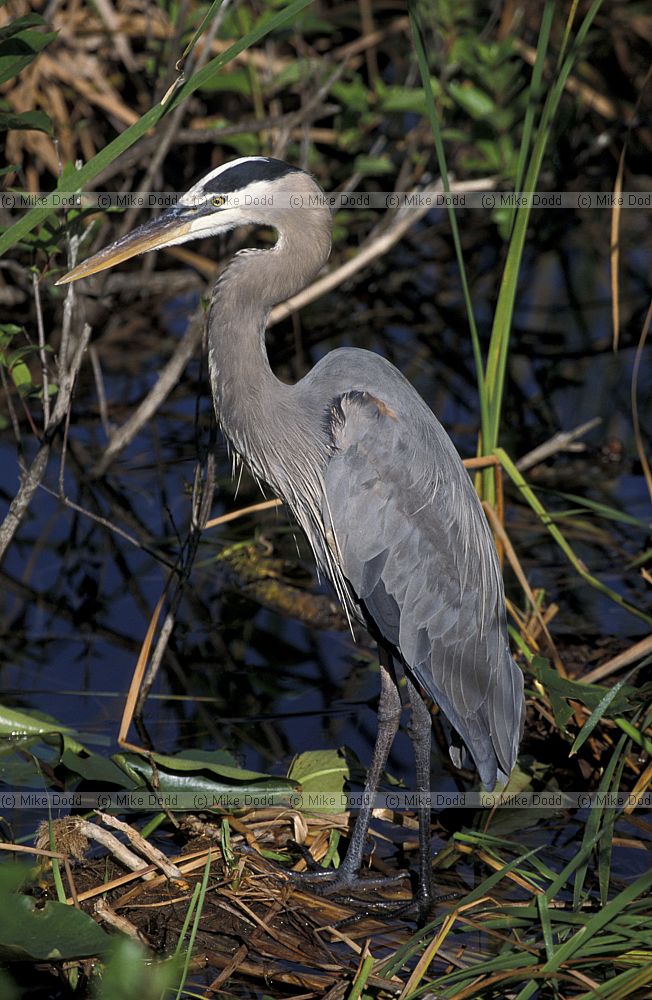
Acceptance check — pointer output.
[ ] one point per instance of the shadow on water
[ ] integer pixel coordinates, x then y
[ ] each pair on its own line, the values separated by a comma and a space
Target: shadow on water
78, 597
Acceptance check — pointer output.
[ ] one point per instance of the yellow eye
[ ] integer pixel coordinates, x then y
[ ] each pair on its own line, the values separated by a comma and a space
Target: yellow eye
218, 200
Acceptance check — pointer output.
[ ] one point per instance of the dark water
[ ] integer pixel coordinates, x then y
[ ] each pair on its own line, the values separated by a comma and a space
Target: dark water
76, 599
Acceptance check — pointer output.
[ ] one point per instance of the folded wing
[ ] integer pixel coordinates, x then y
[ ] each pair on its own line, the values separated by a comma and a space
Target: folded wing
417, 552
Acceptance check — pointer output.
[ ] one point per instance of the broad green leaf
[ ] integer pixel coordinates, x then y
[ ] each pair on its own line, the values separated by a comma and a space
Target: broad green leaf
590, 695
20, 50
8, 988
31, 932
354, 96
220, 762
20, 23
14, 723
373, 165
203, 781
13, 875
475, 102
129, 972
36, 120
18, 772
406, 99
94, 767
321, 775
21, 377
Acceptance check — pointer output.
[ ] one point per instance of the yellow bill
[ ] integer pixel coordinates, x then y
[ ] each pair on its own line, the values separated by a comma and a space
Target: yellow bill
168, 228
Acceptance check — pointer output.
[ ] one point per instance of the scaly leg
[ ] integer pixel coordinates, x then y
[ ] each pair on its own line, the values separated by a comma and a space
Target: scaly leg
420, 732
389, 714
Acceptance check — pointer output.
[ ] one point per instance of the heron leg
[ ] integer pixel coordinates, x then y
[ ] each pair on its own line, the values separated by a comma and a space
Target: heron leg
389, 714
420, 733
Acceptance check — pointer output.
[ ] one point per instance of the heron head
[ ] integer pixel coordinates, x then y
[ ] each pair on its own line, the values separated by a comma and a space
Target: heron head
250, 190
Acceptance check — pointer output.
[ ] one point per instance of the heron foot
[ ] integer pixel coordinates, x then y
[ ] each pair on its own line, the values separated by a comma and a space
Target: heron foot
345, 878
420, 910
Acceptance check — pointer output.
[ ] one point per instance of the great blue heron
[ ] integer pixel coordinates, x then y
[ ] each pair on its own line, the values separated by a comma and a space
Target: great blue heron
369, 474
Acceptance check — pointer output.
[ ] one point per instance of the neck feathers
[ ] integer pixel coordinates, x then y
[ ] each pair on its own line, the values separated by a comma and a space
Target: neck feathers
251, 404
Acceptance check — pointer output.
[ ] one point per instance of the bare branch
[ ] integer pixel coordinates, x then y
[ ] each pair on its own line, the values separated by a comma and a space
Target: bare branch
562, 441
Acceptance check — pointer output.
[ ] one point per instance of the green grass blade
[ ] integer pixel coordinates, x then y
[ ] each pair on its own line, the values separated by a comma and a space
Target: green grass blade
361, 978
403, 954
534, 95
198, 899
634, 734
546, 925
596, 715
531, 498
206, 20
593, 823
603, 509
605, 846
500, 334
592, 927
626, 984
443, 170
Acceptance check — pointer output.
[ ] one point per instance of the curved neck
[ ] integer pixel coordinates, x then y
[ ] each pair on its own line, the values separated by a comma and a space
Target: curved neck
251, 404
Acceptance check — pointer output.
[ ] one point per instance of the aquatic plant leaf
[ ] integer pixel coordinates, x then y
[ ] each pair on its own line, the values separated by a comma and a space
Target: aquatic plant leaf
19, 772
321, 774
94, 767
204, 781
14, 723
54, 931
219, 762
8, 988
326, 768
130, 972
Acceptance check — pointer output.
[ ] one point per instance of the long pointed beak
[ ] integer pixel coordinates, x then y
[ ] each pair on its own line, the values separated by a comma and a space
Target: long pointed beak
160, 232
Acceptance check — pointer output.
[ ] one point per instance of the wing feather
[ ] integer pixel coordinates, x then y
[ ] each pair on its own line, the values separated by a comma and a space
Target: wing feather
419, 557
